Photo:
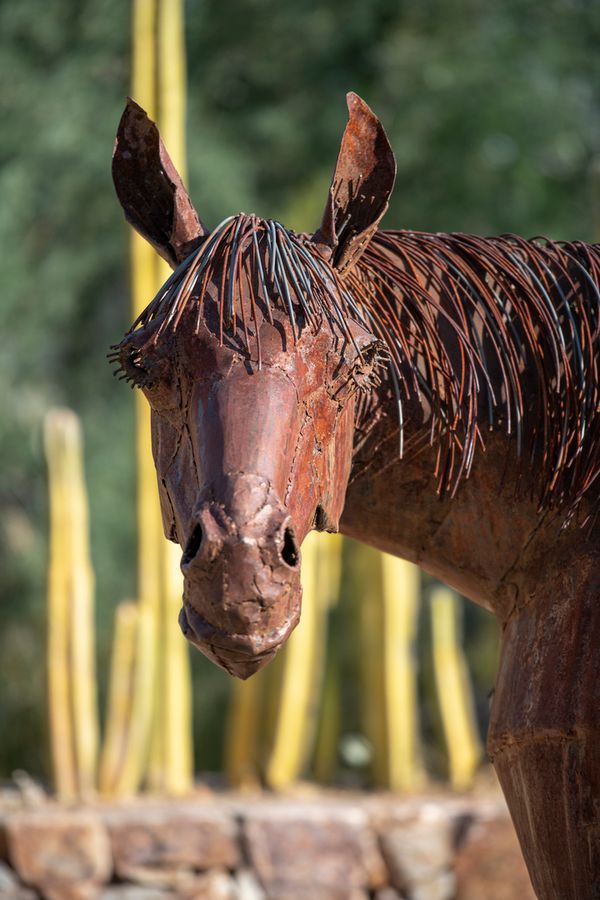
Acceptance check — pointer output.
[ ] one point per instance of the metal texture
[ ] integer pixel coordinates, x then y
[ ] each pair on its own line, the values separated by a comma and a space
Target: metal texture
362, 183
436, 396
150, 190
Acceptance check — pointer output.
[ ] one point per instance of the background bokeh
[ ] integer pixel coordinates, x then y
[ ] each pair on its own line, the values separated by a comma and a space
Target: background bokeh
492, 110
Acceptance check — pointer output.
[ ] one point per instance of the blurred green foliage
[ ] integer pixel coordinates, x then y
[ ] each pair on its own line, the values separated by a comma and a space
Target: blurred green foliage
492, 109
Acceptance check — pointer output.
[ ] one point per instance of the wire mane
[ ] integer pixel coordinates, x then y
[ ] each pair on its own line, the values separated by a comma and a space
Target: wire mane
497, 332
484, 332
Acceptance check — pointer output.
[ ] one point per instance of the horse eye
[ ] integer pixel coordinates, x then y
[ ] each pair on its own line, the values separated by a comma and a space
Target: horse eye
368, 367
131, 367
136, 368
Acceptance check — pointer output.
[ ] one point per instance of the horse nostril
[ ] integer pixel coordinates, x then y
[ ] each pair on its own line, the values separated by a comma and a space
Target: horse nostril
193, 545
289, 551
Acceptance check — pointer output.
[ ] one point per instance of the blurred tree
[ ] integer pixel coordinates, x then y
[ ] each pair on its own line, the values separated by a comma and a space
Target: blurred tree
492, 112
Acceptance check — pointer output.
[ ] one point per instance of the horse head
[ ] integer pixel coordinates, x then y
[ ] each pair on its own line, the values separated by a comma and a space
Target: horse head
253, 357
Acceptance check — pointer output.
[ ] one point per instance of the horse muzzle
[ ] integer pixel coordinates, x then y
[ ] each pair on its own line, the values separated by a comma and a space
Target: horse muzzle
241, 566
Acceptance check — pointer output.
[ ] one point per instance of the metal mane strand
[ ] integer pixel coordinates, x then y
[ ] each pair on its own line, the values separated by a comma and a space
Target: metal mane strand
241, 252
469, 323
496, 331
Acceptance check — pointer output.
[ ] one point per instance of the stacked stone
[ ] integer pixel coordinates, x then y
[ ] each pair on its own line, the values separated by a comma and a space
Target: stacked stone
327, 848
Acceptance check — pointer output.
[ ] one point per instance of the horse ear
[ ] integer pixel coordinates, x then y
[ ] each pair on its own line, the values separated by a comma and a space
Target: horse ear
362, 183
150, 190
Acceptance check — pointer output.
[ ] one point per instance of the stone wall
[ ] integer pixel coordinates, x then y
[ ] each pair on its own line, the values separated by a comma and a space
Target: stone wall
326, 847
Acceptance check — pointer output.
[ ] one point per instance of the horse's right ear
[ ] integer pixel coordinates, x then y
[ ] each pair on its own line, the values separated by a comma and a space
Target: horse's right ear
151, 192
361, 186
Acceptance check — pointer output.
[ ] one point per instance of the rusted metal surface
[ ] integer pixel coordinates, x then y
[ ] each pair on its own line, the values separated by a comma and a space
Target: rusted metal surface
150, 190
436, 396
362, 183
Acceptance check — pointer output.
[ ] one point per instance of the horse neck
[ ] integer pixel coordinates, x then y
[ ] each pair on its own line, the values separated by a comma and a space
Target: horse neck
543, 580
487, 538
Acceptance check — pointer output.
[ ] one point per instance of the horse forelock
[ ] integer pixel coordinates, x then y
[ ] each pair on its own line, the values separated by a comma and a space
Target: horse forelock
255, 266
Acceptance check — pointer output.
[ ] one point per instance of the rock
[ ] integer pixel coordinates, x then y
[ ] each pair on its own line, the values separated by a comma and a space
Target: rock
215, 885
441, 886
388, 893
313, 850
10, 889
65, 855
247, 886
32, 793
149, 840
8, 879
419, 855
490, 864
285, 892
134, 892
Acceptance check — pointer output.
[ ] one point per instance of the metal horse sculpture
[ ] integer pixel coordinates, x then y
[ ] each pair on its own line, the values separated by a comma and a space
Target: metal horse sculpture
434, 395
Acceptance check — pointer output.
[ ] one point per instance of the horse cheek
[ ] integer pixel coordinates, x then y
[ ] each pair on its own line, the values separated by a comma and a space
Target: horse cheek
337, 460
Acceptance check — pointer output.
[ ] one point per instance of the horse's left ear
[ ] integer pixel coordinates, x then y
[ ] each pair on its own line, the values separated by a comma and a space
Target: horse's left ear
361, 186
150, 189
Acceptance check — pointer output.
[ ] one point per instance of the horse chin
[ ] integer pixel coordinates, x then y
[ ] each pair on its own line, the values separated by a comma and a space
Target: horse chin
240, 654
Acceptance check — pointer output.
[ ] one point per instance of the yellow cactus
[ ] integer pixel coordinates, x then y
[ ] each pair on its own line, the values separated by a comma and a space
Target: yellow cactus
454, 689
300, 673
386, 604
144, 277
401, 598
330, 720
172, 764
120, 693
71, 643
329, 571
329, 568
242, 739
365, 612
161, 706
175, 724
130, 701
135, 757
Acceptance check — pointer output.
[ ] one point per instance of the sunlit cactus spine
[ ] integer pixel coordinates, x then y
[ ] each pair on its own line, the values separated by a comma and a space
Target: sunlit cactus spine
71, 633
454, 691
